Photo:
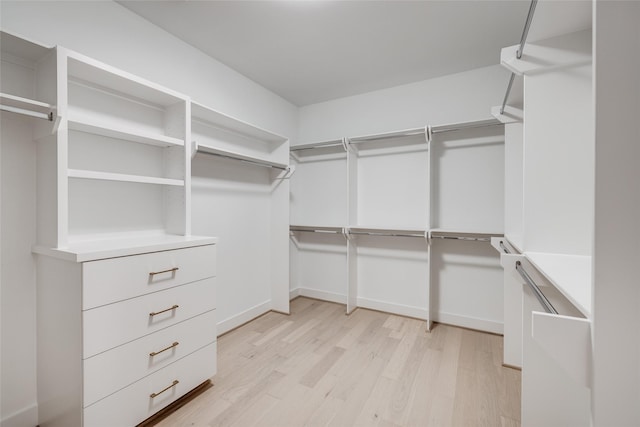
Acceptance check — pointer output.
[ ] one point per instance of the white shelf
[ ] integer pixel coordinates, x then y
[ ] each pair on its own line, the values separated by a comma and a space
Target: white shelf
108, 176
570, 274
101, 248
388, 135
436, 232
382, 231
210, 117
242, 157
21, 103
316, 229
128, 134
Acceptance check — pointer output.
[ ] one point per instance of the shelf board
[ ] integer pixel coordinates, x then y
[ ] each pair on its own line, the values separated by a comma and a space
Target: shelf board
124, 133
570, 274
388, 135
318, 145
441, 232
100, 247
29, 107
242, 157
109, 176
211, 117
87, 70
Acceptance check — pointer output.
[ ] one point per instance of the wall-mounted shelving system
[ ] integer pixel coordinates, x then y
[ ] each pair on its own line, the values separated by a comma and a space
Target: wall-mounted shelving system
370, 201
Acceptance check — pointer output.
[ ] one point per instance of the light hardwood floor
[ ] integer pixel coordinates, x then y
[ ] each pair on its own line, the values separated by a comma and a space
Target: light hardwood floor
319, 367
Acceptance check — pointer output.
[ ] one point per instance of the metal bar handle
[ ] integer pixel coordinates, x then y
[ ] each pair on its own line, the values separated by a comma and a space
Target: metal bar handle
173, 307
173, 384
155, 353
504, 248
171, 270
548, 307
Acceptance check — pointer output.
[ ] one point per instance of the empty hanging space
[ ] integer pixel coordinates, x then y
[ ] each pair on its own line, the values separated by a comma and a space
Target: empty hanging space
242, 197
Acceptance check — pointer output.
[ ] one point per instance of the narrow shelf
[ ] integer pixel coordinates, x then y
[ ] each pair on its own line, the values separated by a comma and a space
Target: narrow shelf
318, 145
463, 234
210, 117
242, 157
108, 176
570, 274
29, 107
100, 247
128, 134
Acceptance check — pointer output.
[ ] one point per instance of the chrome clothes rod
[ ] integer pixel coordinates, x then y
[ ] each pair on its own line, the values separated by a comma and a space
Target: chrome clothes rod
324, 144
523, 40
322, 230
382, 233
465, 125
548, 307
377, 137
471, 239
253, 162
29, 113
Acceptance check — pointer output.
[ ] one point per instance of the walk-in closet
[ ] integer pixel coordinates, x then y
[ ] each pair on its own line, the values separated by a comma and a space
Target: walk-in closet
302, 213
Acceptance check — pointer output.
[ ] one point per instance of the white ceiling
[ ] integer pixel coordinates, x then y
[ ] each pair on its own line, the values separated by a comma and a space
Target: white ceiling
313, 51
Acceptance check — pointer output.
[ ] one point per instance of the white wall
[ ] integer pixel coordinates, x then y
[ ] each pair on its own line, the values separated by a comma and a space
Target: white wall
457, 97
108, 32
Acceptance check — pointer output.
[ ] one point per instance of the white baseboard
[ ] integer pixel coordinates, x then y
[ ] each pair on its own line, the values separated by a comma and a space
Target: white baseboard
26, 417
469, 322
321, 295
294, 293
240, 319
403, 310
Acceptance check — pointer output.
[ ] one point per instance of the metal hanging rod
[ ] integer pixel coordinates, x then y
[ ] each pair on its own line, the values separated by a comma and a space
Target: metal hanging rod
385, 234
548, 307
523, 40
251, 161
465, 125
471, 239
504, 248
316, 145
24, 112
322, 230
379, 136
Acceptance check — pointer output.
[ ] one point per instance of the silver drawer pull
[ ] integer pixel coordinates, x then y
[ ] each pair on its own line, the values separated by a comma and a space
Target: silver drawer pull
155, 353
173, 307
171, 270
173, 384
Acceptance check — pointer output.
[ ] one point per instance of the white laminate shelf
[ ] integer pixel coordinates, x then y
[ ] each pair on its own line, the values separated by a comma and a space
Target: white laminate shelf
316, 229
392, 232
463, 233
210, 117
570, 274
128, 134
109, 176
92, 249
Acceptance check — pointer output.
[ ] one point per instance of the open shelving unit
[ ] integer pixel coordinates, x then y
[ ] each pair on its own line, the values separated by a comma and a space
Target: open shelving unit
384, 209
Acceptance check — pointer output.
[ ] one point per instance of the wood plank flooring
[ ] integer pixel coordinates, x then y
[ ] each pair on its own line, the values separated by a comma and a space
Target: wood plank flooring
319, 367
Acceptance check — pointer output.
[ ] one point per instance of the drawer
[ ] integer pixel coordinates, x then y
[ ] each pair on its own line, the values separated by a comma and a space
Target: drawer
134, 403
115, 279
112, 325
112, 370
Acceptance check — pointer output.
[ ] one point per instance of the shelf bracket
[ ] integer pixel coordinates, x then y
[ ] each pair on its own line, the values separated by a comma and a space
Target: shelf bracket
289, 171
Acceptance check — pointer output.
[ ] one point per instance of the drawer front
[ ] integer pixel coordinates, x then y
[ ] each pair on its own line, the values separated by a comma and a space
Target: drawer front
112, 325
134, 403
115, 279
136, 359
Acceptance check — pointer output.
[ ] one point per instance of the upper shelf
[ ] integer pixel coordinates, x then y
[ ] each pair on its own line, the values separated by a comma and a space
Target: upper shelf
208, 116
25, 106
570, 274
208, 149
89, 71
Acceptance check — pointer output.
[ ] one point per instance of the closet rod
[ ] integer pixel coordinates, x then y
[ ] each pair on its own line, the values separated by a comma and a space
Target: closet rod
472, 239
327, 230
548, 307
381, 233
335, 143
379, 136
504, 248
45, 116
523, 40
253, 162
465, 125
